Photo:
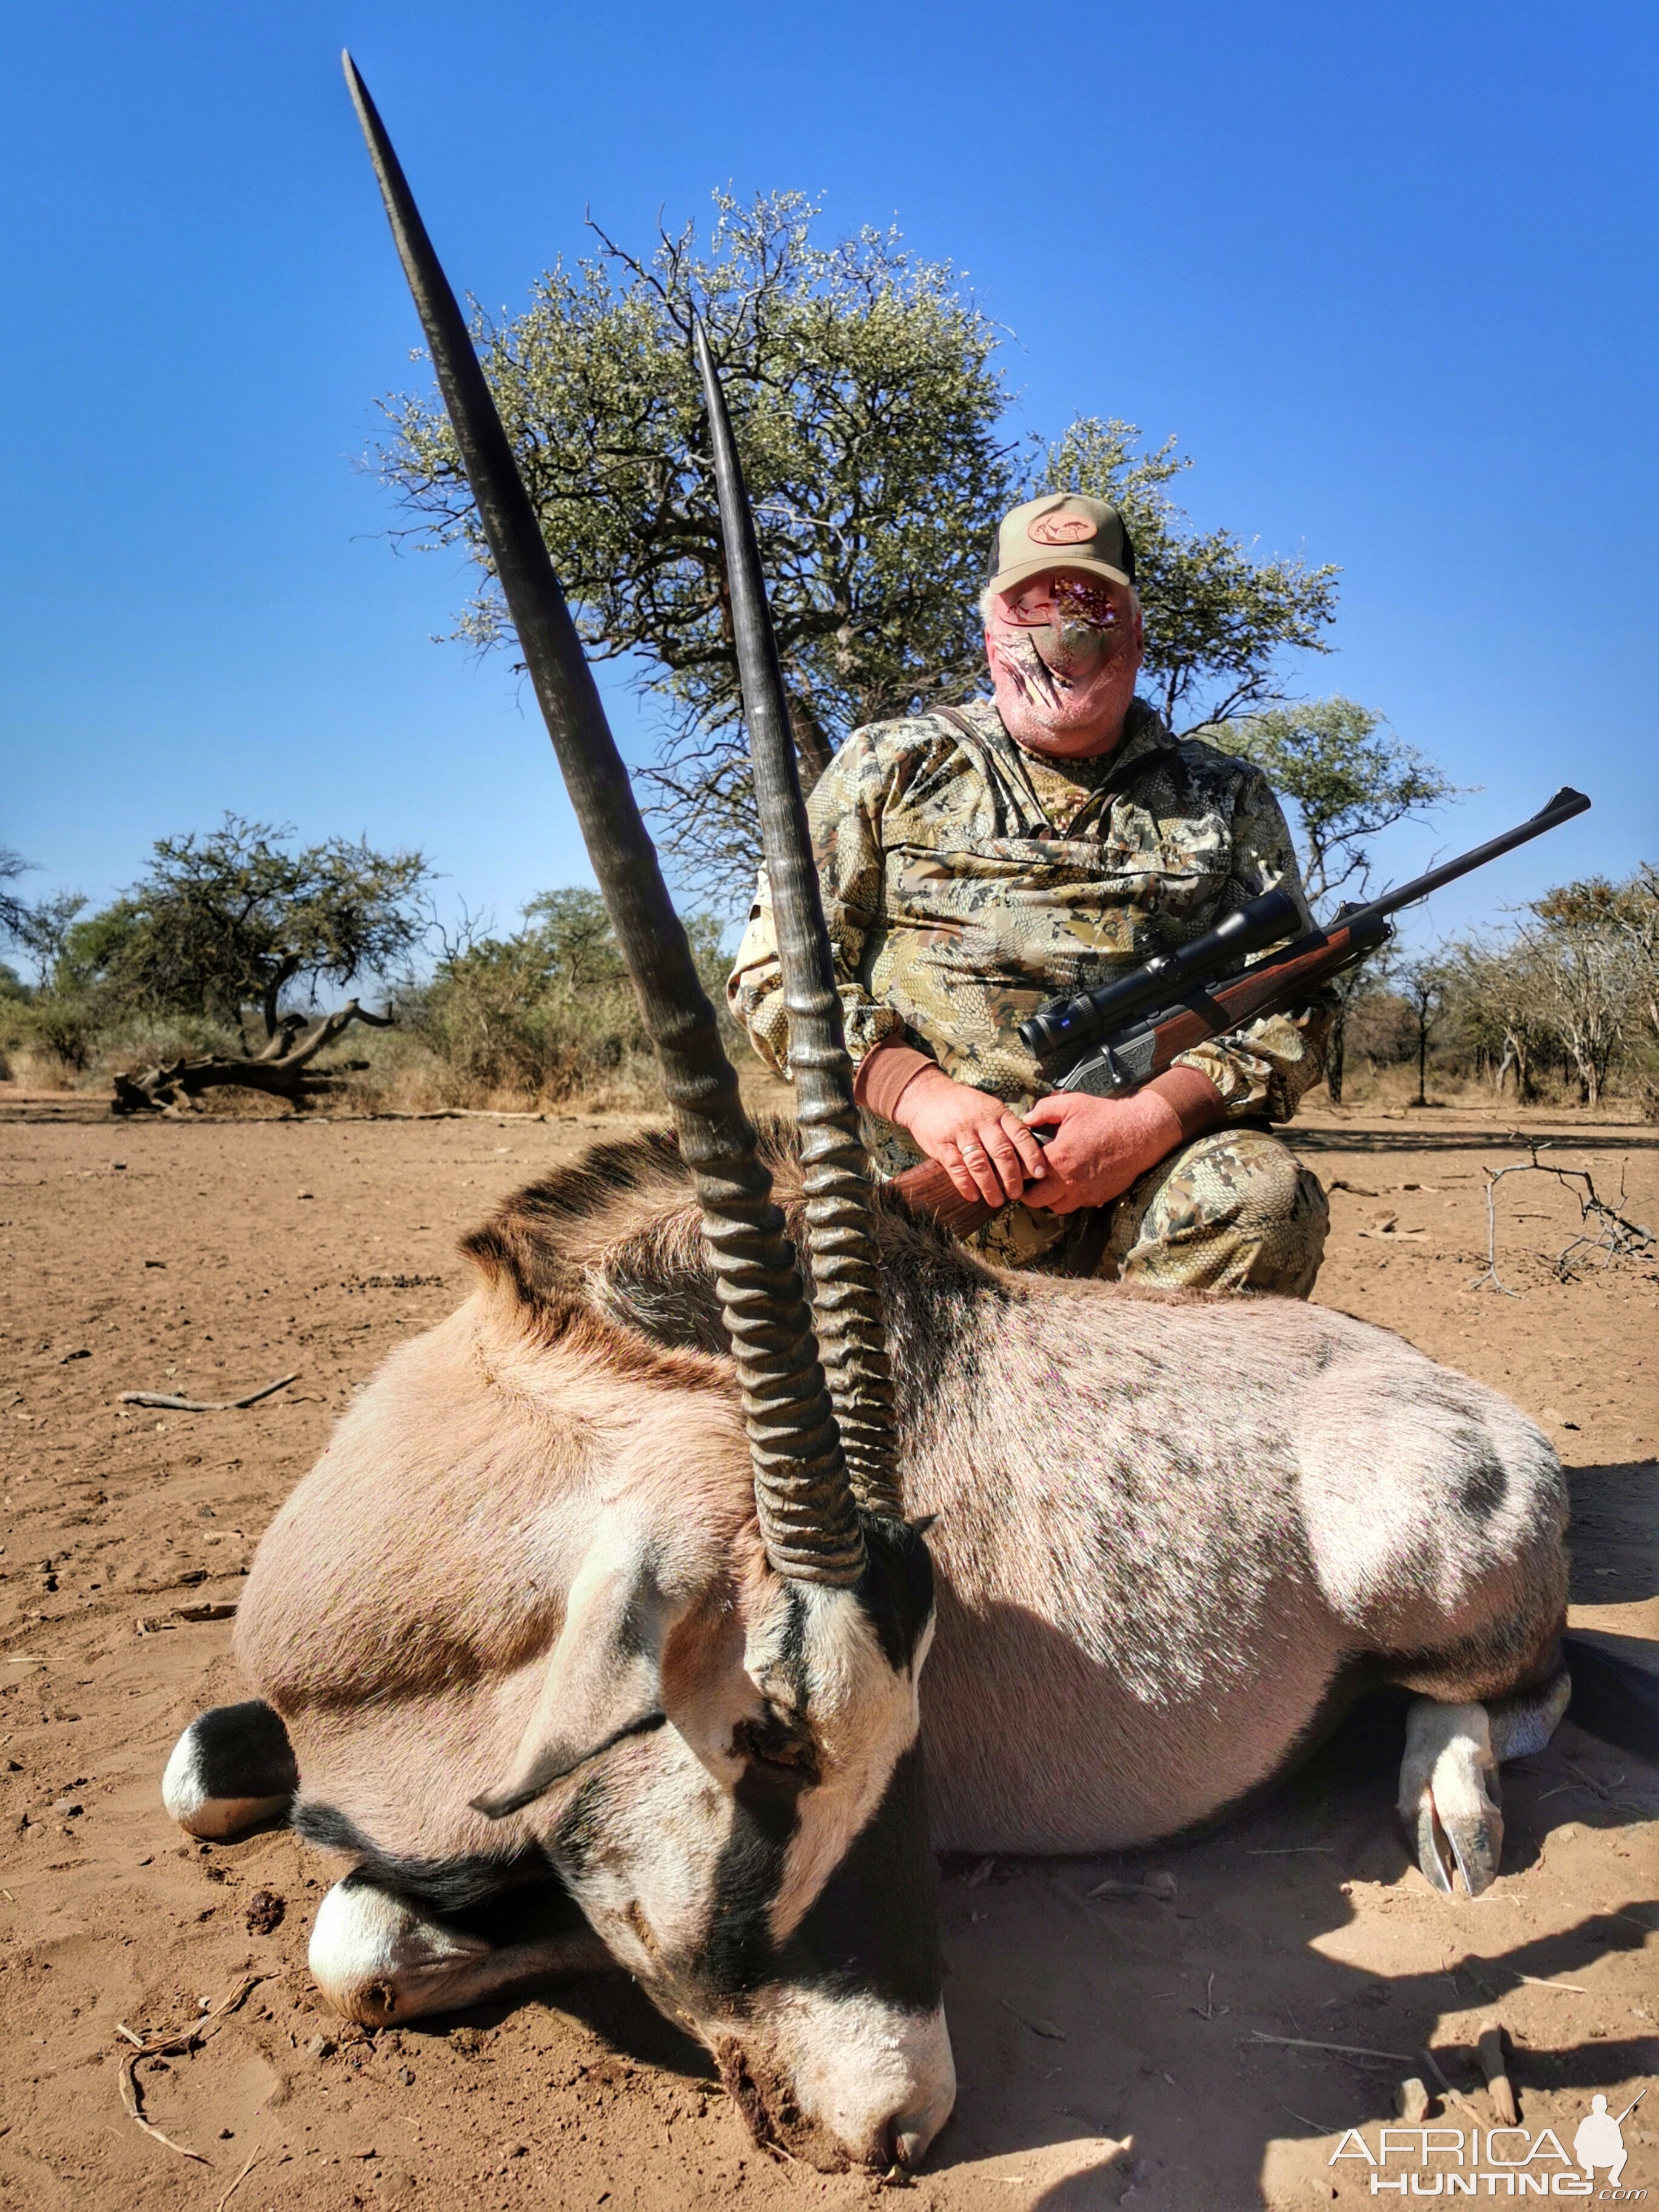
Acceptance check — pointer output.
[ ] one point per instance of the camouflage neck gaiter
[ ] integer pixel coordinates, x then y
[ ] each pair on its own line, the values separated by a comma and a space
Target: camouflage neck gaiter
1061, 676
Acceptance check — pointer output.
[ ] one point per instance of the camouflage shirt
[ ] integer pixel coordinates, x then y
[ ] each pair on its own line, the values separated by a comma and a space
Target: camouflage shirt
965, 882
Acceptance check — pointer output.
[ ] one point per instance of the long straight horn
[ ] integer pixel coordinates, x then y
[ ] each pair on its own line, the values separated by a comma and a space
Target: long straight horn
845, 1268
802, 1497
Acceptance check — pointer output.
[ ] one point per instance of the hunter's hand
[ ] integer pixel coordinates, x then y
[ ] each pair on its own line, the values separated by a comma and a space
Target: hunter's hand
983, 1146
1100, 1146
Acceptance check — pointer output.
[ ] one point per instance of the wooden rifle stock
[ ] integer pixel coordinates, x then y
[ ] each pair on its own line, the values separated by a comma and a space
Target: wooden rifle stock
1284, 981
930, 1194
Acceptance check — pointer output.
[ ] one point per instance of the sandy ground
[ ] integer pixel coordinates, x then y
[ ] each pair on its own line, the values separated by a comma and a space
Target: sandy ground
201, 1257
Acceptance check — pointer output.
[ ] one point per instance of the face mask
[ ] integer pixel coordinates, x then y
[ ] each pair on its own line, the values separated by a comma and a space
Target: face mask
1082, 631
1053, 653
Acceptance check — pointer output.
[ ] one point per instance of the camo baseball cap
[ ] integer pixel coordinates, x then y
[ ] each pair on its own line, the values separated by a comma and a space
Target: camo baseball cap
1061, 530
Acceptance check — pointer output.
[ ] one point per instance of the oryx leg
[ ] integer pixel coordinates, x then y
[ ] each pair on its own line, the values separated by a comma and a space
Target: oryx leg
1450, 1797
377, 1956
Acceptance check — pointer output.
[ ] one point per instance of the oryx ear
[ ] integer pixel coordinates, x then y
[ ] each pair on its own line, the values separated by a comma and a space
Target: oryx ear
604, 1679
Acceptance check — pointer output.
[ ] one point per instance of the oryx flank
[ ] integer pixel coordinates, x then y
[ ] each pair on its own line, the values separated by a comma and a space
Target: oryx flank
1173, 1538
609, 1581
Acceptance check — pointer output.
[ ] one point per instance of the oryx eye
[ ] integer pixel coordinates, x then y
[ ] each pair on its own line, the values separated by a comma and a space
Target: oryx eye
769, 1742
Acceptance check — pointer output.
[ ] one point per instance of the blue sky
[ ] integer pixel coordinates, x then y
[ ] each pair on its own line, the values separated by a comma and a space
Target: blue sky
1388, 274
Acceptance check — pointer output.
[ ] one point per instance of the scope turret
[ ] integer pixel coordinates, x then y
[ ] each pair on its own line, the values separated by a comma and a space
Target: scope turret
1065, 1026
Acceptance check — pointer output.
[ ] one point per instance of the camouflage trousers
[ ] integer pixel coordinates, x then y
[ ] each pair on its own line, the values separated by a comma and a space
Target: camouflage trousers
1232, 1210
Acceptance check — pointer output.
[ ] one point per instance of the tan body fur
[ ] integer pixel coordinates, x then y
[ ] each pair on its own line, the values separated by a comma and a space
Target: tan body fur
1168, 1530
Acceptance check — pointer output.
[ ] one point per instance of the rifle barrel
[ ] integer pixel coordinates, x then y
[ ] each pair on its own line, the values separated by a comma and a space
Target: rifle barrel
1567, 803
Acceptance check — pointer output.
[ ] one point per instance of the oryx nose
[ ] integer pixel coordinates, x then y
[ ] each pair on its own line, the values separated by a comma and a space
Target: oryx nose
911, 2148
905, 2138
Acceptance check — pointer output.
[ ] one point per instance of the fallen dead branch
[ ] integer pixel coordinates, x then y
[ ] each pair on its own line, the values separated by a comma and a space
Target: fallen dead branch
171, 1405
460, 1114
169, 2044
283, 1068
1616, 1237
1452, 2096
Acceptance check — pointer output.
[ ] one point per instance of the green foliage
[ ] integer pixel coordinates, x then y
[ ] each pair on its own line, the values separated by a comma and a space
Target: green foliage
869, 412
13, 908
1348, 777
550, 1010
1216, 617
236, 916
38, 927
866, 410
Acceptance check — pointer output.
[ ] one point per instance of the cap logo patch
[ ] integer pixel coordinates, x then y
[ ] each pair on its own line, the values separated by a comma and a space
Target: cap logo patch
1060, 528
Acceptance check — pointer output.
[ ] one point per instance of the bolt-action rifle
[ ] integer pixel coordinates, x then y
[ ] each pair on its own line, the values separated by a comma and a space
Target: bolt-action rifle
1110, 1041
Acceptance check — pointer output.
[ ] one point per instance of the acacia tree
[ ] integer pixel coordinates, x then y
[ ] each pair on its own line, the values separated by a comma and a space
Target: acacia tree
13, 909
38, 927
867, 412
1587, 978
1626, 915
870, 414
1348, 778
1502, 1007
230, 923
1424, 984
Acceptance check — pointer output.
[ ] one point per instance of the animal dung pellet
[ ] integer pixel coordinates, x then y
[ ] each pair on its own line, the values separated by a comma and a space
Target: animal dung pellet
1412, 2101
265, 1910
1112, 1891
1495, 2066
981, 1874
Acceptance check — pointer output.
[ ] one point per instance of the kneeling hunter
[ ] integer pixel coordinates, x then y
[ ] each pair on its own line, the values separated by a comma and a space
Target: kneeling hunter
977, 861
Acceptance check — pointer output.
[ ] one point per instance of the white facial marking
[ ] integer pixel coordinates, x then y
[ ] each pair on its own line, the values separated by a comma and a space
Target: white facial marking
858, 2066
865, 1716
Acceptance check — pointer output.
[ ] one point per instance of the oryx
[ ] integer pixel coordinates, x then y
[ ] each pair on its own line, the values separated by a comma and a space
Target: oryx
606, 1582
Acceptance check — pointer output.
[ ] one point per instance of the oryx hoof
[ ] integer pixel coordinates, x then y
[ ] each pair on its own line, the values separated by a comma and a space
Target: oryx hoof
1448, 1795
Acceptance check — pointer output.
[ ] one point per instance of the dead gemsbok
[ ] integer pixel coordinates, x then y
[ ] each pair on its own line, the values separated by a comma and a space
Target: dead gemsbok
606, 1582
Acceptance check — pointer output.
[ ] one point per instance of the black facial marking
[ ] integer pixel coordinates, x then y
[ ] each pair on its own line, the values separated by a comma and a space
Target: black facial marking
580, 1833
739, 1954
874, 1927
243, 1751
445, 1885
896, 1589
772, 1745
